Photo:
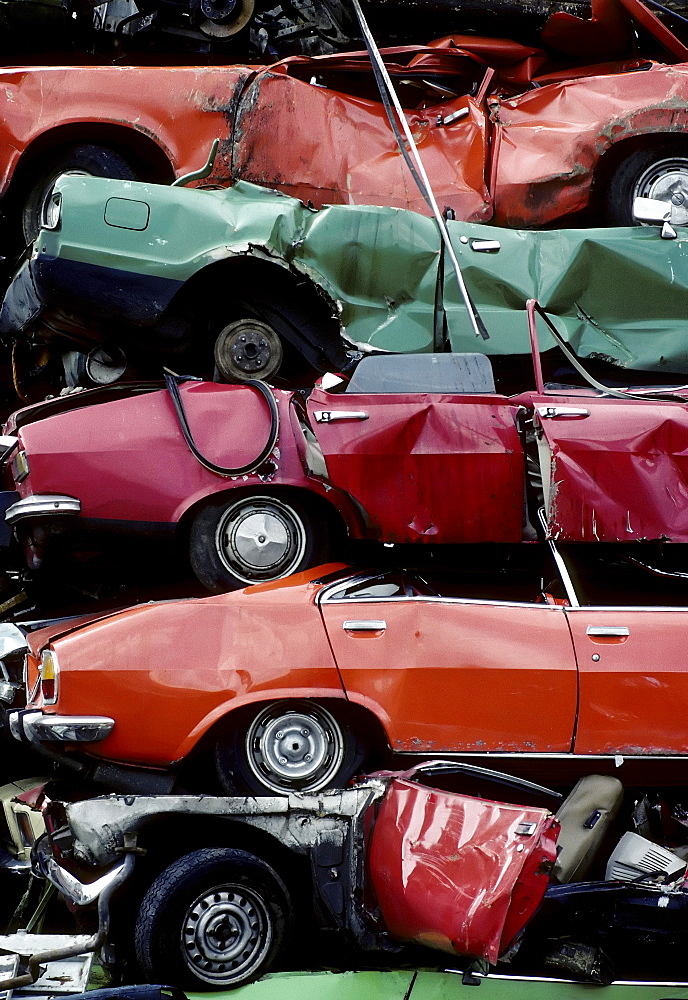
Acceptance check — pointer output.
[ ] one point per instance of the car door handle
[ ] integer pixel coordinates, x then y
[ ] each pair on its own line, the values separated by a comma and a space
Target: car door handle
485, 246
562, 412
608, 631
331, 416
370, 625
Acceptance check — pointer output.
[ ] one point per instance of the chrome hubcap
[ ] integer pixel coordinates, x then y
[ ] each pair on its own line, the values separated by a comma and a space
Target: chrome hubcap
226, 934
297, 749
667, 180
260, 539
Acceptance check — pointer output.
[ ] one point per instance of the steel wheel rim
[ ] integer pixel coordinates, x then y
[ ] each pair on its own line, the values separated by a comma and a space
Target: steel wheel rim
260, 539
299, 748
226, 934
667, 180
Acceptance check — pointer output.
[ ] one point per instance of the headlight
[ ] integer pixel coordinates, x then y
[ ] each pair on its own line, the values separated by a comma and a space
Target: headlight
49, 674
52, 211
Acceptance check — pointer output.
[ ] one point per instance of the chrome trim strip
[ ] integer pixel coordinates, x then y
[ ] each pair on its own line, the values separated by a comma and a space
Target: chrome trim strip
42, 505
371, 625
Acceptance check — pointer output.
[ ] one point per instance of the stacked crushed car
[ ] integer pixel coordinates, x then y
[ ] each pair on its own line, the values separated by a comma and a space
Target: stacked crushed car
325, 495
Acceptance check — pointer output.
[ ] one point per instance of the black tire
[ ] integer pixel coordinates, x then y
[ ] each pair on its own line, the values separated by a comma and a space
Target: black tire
254, 539
96, 161
657, 172
289, 746
215, 918
246, 349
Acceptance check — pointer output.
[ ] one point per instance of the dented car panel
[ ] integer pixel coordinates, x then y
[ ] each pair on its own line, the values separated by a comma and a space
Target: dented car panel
415, 442
484, 865
456, 873
375, 268
618, 471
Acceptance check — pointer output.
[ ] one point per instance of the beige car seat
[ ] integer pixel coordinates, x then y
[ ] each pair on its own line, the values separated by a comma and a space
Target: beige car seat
585, 817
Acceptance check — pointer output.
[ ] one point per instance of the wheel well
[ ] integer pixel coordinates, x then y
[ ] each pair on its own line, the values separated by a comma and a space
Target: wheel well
624, 148
145, 155
166, 839
298, 308
313, 501
365, 721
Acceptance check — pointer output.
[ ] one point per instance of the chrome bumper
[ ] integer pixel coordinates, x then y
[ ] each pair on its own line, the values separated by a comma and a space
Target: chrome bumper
35, 726
42, 505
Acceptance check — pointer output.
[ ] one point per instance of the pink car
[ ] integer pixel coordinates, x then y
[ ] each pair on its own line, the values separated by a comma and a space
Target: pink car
419, 449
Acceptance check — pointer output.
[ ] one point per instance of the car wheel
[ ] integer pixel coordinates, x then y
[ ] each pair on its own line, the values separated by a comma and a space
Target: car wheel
289, 746
254, 539
215, 918
660, 173
248, 348
95, 161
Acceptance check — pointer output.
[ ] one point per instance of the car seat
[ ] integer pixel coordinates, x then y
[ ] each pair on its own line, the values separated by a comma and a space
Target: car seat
585, 817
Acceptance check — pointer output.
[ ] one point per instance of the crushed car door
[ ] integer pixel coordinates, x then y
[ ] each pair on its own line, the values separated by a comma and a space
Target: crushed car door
453, 674
613, 470
326, 146
633, 679
426, 467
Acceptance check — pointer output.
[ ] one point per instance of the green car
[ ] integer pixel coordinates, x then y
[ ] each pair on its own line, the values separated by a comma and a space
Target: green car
427, 985
249, 283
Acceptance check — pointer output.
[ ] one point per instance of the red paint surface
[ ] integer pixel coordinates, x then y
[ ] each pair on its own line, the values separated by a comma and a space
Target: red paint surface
619, 474
428, 468
523, 156
447, 871
634, 699
460, 675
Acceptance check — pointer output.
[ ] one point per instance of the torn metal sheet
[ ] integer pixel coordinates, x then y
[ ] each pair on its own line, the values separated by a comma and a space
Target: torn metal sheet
424, 838
620, 295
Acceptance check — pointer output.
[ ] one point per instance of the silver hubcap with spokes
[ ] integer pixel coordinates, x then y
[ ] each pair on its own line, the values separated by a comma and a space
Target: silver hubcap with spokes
260, 539
667, 180
298, 748
226, 934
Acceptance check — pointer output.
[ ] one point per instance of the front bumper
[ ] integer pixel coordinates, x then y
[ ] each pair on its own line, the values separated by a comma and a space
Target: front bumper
35, 726
42, 505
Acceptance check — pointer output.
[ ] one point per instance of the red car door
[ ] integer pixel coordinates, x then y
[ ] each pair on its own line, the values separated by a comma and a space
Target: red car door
426, 467
453, 673
614, 470
633, 679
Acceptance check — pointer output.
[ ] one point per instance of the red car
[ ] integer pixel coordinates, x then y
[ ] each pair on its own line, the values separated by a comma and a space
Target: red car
419, 449
295, 684
508, 132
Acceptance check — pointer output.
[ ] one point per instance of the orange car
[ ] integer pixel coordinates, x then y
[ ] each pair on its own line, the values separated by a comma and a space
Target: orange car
296, 684
511, 133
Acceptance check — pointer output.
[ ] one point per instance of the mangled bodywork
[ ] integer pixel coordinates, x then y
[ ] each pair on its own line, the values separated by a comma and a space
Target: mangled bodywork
154, 269
357, 842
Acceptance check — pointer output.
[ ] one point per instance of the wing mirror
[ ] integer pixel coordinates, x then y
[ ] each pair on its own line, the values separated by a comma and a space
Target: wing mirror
654, 212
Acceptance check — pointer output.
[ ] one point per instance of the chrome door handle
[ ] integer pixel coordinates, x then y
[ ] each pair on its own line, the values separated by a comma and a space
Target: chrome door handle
331, 416
364, 626
486, 246
608, 631
562, 412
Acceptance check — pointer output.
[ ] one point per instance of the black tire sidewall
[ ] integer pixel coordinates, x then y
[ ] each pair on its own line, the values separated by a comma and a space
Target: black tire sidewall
205, 558
165, 905
97, 161
618, 193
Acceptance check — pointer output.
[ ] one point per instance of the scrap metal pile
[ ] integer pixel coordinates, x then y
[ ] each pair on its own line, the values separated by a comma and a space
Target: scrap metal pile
344, 523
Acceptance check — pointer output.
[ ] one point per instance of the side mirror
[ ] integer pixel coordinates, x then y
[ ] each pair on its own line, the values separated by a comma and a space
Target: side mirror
654, 212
